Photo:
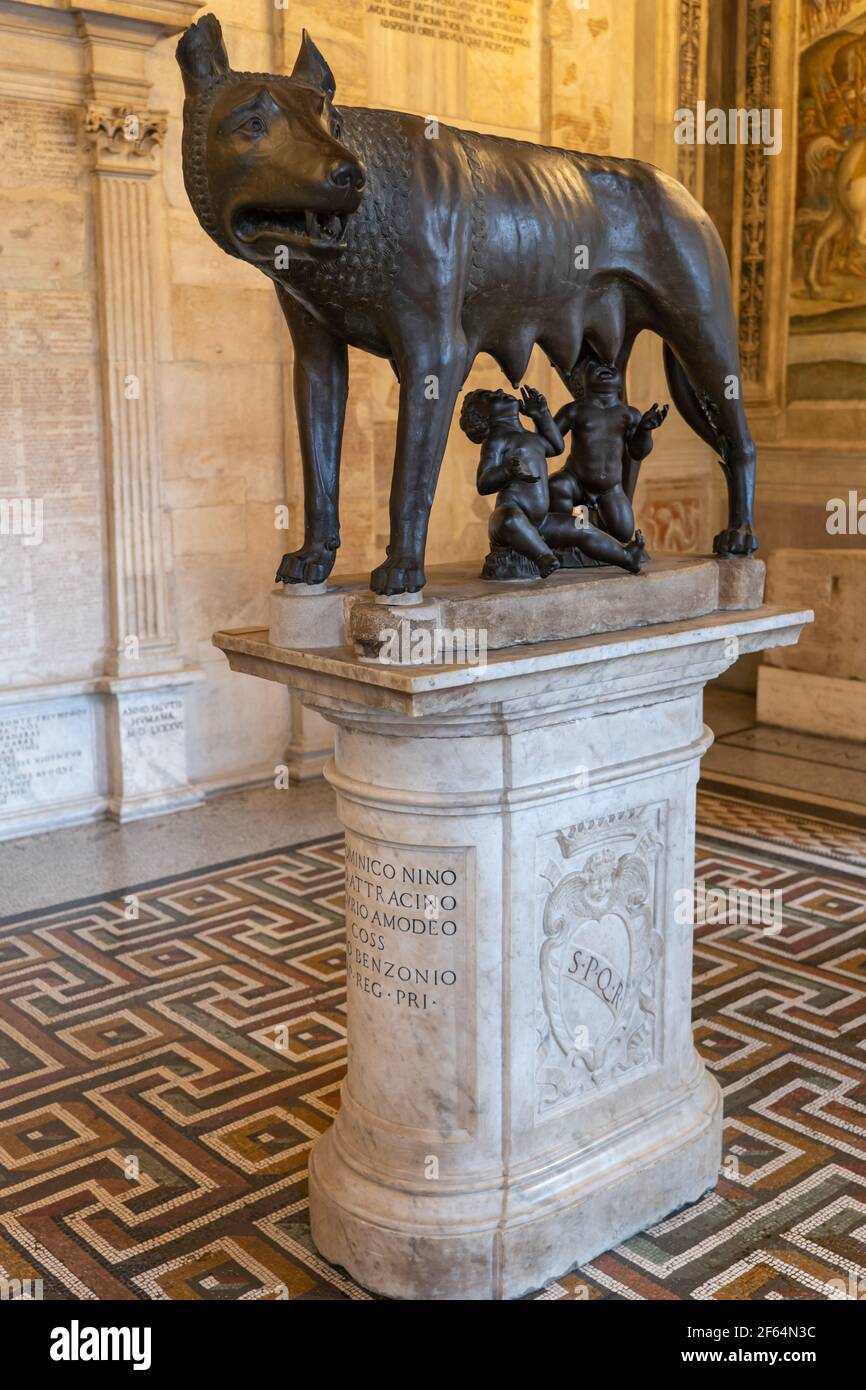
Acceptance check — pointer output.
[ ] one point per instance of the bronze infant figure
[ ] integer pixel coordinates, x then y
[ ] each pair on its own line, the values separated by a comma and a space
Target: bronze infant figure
604, 431
513, 464
428, 252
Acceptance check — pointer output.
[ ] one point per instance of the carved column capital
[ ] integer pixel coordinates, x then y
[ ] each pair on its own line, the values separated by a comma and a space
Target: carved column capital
123, 139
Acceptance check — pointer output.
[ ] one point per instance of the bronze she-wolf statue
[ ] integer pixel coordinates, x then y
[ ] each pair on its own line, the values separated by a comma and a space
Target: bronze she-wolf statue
429, 251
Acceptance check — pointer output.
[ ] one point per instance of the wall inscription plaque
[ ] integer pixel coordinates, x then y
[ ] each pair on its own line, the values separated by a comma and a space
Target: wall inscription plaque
49, 403
46, 755
496, 26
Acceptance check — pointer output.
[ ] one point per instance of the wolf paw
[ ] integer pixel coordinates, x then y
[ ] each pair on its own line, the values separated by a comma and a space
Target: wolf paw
737, 540
398, 574
310, 565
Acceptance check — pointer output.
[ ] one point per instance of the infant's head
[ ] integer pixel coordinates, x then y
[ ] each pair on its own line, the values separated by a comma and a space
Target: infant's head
481, 408
596, 375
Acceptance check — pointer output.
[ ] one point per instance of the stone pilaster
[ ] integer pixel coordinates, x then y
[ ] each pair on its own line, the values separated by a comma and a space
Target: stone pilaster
764, 207
125, 144
145, 686
691, 83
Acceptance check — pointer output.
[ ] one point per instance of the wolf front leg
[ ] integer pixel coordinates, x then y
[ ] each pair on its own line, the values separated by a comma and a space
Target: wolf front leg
430, 378
321, 379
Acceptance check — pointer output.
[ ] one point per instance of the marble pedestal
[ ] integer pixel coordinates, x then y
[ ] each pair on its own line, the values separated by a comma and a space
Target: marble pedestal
523, 1090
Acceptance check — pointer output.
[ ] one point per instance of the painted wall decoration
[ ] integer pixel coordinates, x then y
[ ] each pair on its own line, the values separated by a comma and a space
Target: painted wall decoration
827, 347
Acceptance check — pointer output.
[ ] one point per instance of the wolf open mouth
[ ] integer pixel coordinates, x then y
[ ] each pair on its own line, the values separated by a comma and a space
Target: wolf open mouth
296, 228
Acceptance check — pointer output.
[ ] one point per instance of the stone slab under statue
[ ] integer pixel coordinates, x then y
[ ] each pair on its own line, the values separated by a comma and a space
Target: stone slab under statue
523, 1089
569, 604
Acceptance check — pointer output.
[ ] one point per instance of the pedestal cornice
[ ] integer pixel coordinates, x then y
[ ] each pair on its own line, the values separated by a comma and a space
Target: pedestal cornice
622, 666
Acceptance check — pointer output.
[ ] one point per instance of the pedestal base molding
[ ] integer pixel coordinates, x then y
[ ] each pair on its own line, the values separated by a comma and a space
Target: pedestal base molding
538, 1226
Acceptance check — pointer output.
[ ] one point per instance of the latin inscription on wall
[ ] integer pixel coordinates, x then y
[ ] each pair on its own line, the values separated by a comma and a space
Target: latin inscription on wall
38, 142
46, 755
51, 481
498, 26
152, 734
408, 915
468, 61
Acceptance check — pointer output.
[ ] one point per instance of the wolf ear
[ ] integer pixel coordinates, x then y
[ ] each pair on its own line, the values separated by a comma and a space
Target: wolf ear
311, 68
202, 55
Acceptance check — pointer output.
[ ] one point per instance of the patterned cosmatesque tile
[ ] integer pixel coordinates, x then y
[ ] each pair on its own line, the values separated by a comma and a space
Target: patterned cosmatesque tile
169, 1054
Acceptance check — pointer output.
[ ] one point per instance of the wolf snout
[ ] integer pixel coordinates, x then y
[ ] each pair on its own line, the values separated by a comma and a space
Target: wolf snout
348, 175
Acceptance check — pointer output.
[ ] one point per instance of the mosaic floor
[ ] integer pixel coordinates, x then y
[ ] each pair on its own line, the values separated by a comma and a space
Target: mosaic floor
168, 1054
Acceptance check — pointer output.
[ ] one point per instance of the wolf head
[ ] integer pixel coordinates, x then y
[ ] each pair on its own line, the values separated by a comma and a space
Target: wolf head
263, 161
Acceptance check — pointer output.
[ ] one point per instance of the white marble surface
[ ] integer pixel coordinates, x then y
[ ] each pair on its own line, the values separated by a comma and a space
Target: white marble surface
40, 871
150, 526
49, 762
523, 1090
310, 745
147, 741
307, 615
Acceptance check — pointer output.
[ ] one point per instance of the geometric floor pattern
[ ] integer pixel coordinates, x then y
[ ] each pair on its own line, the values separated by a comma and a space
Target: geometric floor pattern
169, 1053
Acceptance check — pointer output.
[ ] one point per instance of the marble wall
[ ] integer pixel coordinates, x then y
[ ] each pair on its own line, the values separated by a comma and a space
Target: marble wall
141, 450
222, 404
53, 608
799, 267
49, 401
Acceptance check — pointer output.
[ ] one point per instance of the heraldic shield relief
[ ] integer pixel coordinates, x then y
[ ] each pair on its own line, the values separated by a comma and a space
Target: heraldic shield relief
600, 953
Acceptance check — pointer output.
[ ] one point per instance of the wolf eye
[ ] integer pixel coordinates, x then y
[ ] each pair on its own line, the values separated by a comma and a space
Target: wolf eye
255, 125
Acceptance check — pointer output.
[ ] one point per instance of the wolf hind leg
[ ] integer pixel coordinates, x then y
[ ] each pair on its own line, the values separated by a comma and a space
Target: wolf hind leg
708, 396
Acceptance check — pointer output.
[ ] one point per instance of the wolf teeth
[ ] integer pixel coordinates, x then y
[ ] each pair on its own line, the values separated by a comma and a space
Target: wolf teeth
324, 226
319, 227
